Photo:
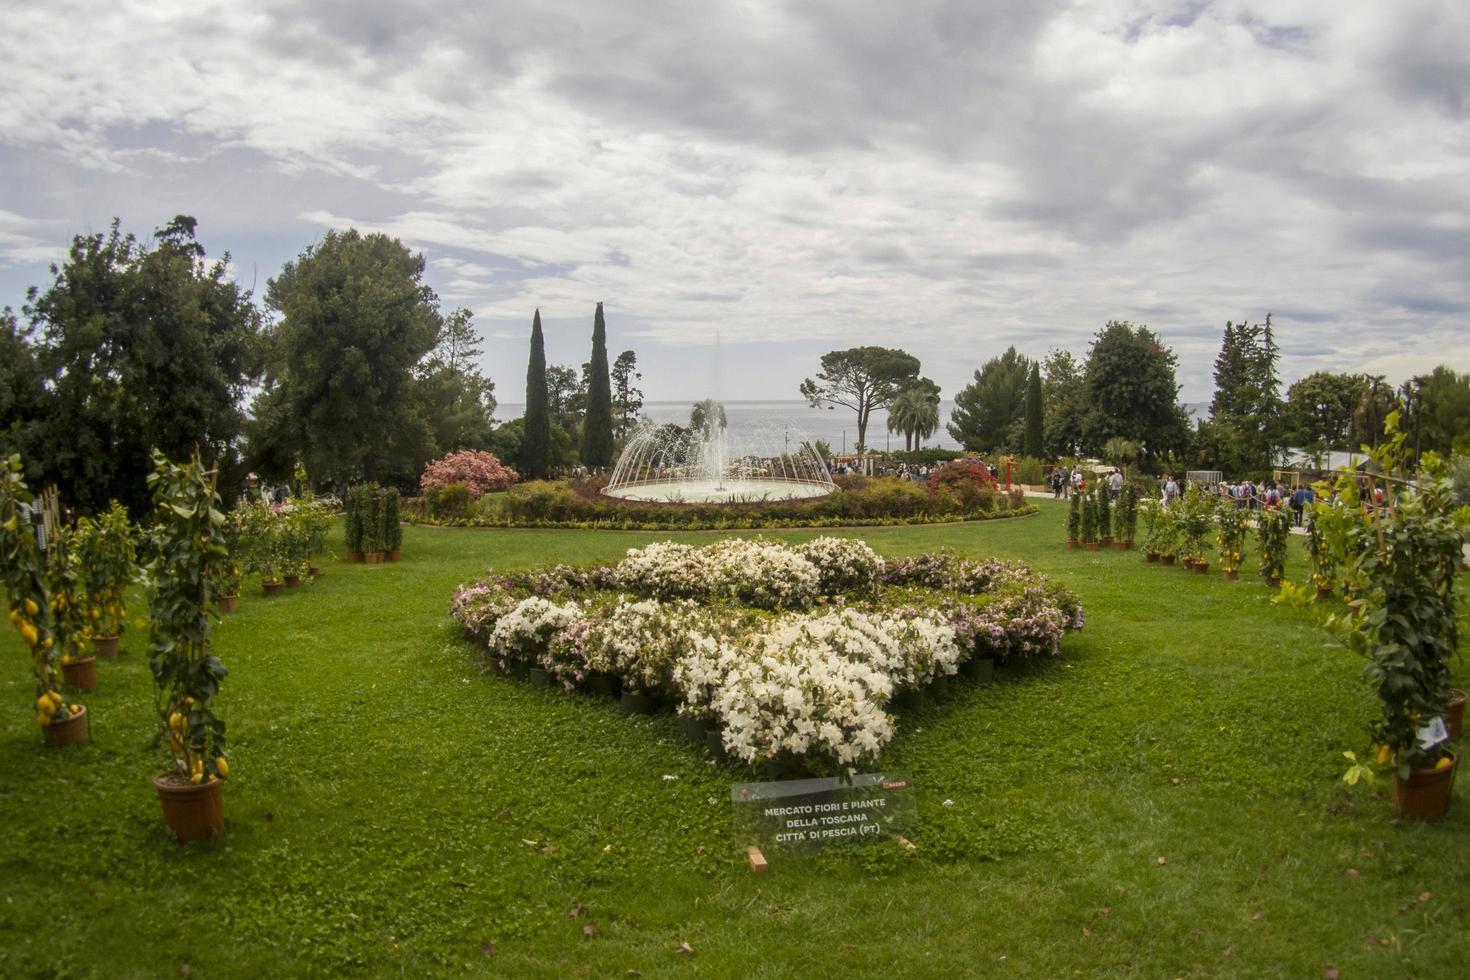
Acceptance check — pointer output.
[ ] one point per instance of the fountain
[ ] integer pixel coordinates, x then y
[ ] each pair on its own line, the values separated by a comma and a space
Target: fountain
676, 465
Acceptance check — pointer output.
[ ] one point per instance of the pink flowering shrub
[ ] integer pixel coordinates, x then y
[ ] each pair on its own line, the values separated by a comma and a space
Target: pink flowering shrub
480, 471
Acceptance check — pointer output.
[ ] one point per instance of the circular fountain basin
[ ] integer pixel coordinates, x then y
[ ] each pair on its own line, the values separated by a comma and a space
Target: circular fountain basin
721, 491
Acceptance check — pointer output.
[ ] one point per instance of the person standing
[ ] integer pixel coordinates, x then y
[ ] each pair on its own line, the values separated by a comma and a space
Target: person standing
1115, 485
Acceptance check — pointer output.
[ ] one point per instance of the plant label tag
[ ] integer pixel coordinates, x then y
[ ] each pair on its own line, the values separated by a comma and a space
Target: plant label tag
804, 814
1433, 733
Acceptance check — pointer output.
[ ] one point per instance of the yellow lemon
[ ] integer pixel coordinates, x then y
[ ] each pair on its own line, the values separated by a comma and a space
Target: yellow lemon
28, 633
31, 607
222, 767
197, 777
1383, 754
44, 705
43, 720
55, 697
1444, 763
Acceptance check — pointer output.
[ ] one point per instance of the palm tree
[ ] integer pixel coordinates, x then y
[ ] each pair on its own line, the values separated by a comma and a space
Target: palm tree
915, 413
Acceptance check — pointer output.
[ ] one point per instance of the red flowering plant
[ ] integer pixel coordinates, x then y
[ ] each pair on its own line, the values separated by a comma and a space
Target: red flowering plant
480, 471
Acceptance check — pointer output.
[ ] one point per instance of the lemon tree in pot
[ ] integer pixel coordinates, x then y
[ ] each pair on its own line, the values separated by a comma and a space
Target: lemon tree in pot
107, 554
24, 569
1402, 618
1230, 536
1273, 529
68, 622
261, 543
224, 575
188, 540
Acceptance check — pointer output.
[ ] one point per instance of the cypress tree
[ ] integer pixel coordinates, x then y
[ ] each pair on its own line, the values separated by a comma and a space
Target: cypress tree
597, 425
1034, 426
536, 443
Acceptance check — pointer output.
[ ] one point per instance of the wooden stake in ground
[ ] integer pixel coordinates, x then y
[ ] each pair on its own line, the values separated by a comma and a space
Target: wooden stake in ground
757, 860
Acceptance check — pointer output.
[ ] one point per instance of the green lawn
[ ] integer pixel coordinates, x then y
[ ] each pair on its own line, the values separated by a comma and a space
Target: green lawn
394, 811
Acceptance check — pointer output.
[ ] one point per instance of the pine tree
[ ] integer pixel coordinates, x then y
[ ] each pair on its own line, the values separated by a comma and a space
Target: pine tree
1034, 426
536, 443
597, 423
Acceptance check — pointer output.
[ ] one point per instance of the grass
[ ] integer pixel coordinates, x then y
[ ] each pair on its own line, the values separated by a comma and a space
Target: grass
394, 811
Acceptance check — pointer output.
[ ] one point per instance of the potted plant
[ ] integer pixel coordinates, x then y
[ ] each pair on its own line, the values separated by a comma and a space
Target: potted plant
1074, 520
392, 527
23, 567
1104, 514
68, 608
106, 551
224, 581
1127, 517
1403, 620
1196, 513
1151, 511
1324, 566
372, 525
188, 540
1273, 528
1168, 534
295, 545
261, 543
1089, 522
357, 508
1230, 536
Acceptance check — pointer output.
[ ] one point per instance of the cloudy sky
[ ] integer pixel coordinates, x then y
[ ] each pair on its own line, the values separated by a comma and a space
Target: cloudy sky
947, 177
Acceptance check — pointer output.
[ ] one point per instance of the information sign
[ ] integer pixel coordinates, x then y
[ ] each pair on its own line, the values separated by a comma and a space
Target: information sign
799, 814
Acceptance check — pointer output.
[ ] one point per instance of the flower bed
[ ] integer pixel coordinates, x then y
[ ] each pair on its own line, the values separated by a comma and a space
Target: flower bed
792, 651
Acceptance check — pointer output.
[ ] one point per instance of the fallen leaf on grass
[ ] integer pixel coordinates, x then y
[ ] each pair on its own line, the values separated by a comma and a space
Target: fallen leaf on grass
588, 931
1256, 915
684, 949
1330, 973
574, 911
1425, 896
1105, 910
488, 949
1352, 872
1086, 931
1163, 861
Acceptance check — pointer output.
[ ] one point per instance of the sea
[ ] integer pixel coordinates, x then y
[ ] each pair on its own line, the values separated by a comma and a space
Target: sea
794, 419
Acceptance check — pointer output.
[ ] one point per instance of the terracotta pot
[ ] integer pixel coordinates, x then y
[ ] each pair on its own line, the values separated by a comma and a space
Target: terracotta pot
293, 581
395, 555
313, 571
106, 646
1323, 594
71, 731
227, 603
1072, 542
694, 729
1091, 545
1425, 795
272, 588
980, 669
1130, 545
1274, 581
1454, 712
633, 703
1168, 559
354, 556
193, 811
1200, 567
81, 673
1231, 575
1120, 545
373, 557
1152, 556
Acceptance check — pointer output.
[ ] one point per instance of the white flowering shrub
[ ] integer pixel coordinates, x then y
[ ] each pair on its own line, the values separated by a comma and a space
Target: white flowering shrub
843, 564
792, 651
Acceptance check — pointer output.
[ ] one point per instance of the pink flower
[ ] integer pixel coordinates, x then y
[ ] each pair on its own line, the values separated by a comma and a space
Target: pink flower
478, 470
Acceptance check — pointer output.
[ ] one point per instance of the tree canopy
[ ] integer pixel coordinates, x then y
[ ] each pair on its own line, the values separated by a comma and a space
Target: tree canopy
989, 412
355, 320
862, 379
597, 423
627, 399
142, 348
1131, 391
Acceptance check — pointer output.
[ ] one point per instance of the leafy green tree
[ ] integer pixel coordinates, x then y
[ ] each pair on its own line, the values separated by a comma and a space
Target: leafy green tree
1319, 410
915, 413
355, 320
707, 417
1378, 400
1035, 424
989, 412
563, 396
535, 458
1064, 404
24, 402
1246, 408
1131, 391
862, 379
627, 398
597, 424
144, 348
1439, 412
455, 398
